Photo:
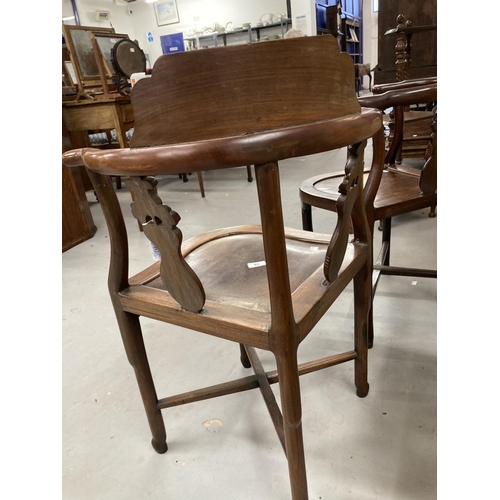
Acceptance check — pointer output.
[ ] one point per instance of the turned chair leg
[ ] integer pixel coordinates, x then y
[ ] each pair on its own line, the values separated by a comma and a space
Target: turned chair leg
386, 239
370, 334
292, 423
245, 360
307, 223
362, 310
133, 341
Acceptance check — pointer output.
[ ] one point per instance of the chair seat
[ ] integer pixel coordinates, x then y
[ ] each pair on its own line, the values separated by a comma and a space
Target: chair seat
238, 253
399, 192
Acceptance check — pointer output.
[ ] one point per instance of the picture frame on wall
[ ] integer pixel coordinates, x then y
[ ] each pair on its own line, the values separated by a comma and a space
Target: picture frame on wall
166, 12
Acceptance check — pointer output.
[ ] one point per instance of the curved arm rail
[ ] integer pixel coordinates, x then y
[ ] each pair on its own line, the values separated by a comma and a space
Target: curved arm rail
263, 147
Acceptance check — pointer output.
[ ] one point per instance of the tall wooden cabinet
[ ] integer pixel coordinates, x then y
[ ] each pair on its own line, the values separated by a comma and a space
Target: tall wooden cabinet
422, 14
77, 222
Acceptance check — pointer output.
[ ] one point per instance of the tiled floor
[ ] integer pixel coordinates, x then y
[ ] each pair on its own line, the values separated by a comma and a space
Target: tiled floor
380, 447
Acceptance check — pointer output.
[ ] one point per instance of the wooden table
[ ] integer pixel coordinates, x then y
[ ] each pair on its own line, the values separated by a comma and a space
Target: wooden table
77, 222
79, 118
82, 116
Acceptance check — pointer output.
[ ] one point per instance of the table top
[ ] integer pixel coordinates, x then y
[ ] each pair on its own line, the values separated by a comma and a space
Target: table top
118, 99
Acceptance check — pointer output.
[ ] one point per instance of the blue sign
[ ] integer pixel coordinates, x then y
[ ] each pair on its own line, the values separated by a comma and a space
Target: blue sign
150, 37
170, 44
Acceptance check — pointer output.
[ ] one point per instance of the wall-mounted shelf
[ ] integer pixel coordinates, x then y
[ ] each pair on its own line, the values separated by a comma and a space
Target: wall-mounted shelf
248, 34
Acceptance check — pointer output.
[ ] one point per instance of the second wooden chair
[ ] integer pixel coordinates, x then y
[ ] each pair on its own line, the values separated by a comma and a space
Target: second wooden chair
390, 190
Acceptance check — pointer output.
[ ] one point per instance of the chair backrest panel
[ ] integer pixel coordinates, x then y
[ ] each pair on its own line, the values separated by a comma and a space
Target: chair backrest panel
242, 89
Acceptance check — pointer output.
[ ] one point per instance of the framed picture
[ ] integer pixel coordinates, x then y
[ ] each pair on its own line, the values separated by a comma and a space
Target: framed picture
166, 12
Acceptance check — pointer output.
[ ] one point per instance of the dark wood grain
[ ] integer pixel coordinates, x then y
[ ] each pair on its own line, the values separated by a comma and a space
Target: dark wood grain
238, 94
159, 224
304, 105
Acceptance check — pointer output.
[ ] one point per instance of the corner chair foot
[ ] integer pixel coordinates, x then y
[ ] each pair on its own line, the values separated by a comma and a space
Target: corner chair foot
159, 446
362, 393
245, 360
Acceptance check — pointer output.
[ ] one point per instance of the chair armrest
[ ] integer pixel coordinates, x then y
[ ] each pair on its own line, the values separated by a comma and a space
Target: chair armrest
406, 84
400, 97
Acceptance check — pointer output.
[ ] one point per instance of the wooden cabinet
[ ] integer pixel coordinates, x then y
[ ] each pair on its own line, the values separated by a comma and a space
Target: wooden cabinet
77, 222
422, 14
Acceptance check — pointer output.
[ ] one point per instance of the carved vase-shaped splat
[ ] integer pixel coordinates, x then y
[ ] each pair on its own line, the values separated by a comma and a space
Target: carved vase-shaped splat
348, 189
159, 223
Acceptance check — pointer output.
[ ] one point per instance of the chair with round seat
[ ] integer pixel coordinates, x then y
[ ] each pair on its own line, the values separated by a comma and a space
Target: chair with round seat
260, 286
390, 190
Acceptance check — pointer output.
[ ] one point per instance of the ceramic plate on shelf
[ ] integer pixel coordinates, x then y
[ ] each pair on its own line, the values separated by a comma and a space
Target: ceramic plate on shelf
229, 26
266, 19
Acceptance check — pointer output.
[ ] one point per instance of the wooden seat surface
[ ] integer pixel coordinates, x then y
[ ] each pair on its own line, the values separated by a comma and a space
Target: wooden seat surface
398, 192
221, 260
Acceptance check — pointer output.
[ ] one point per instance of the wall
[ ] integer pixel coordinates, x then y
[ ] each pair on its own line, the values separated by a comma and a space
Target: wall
370, 37
304, 16
137, 19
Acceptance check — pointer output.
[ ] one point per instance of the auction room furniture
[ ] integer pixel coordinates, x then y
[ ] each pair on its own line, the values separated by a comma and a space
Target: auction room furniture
417, 121
404, 32
416, 126
390, 190
261, 286
84, 116
77, 222
361, 70
423, 48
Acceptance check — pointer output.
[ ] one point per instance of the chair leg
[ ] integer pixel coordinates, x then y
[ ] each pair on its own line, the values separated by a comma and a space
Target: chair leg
370, 334
307, 223
292, 422
432, 212
245, 361
249, 173
200, 183
362, 310
133, 341
386, 239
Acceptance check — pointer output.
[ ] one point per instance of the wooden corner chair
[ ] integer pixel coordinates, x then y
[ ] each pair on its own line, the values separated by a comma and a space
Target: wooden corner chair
390, 189
304, 105
416, 125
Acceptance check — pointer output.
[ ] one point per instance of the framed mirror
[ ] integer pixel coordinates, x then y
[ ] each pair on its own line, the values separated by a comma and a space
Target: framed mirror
82, 54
